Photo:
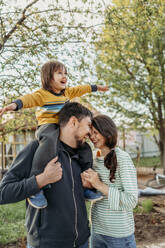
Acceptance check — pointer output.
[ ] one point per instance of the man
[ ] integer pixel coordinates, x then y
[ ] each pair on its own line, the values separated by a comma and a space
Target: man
64, 223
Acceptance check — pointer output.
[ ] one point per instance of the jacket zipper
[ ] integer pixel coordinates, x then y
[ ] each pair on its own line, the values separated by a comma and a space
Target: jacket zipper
74, 199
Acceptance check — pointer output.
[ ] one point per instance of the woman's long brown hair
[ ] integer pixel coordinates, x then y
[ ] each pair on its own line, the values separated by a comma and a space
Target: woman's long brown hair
107, 128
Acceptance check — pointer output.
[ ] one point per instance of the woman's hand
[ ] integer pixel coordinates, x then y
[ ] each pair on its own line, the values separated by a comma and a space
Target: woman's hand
92, 177
85, 183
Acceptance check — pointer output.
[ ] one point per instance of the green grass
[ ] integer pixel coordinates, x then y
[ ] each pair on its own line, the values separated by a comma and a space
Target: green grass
148, 162
12, 219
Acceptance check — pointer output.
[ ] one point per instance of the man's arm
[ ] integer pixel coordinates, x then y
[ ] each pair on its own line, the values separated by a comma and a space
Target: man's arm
16, 185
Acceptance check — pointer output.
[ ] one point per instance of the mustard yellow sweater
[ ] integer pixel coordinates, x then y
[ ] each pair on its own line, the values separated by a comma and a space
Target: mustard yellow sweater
49, 104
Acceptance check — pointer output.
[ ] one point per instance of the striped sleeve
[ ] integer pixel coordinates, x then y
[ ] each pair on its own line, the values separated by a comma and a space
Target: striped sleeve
126, 197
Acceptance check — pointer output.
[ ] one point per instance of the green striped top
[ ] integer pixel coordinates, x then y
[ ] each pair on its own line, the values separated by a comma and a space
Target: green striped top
113, 215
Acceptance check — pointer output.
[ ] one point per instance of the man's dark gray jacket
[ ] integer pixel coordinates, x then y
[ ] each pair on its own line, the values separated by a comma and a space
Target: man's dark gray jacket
64, 223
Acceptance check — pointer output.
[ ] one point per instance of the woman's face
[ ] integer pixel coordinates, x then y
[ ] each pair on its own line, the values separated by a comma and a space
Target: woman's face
97, 139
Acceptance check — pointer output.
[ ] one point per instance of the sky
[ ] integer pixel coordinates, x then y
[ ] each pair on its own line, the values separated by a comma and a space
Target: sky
43, 4
46, 2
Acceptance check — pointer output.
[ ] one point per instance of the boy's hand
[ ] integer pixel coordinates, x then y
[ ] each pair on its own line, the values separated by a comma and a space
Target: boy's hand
10, 107
102, 87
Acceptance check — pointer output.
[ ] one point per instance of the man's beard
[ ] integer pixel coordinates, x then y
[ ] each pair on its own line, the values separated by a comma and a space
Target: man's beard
79, 142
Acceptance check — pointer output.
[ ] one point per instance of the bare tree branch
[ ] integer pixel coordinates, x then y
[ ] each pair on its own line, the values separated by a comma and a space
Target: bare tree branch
76, 11
19, 22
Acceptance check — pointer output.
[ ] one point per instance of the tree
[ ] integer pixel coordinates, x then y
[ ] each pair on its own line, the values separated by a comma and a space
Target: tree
31, 35
131, 56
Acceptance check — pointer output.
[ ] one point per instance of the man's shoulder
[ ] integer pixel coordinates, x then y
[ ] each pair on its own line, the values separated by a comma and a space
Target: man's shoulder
85, 146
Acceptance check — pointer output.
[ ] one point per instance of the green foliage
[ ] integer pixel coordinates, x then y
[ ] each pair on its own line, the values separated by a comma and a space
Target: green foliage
31, 35
131, 51
145, 206
17, 122
138, 209
131, 60
12, 226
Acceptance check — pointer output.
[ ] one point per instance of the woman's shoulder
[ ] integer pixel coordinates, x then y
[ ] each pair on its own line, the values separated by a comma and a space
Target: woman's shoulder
124, 160
121, 154
120, 151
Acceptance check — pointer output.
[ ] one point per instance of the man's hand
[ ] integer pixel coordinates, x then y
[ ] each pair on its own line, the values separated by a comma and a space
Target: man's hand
102, 88
92, 177
51, 174
10, 107
85, 183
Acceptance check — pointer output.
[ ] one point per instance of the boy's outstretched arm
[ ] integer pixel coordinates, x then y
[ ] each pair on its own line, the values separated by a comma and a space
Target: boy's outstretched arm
80, 90
27, 101
102, 87
10, 107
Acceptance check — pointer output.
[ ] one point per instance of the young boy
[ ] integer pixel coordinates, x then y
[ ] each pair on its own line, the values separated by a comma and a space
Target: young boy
49, 100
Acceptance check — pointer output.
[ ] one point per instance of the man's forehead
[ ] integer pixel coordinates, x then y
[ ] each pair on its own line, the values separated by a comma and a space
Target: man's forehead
87, 119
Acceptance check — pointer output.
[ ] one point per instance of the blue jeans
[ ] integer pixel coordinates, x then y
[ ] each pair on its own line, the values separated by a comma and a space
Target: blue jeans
103, 241
82, 246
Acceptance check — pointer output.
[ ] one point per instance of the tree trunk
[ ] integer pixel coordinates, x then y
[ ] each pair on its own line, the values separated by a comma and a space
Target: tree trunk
162, 158
162, 151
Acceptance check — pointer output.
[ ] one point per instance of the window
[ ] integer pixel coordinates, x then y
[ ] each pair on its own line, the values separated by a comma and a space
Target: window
15, 143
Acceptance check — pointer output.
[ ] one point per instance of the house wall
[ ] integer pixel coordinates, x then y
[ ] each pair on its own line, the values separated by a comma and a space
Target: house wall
139, 142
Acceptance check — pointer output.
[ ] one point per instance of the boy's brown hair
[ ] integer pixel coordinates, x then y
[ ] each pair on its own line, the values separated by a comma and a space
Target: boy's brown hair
47, 72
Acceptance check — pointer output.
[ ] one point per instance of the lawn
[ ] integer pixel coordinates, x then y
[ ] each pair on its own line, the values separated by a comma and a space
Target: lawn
12, 219
148, 162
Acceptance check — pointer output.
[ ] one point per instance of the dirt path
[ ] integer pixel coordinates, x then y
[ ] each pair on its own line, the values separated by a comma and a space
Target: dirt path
158, 244
150, 228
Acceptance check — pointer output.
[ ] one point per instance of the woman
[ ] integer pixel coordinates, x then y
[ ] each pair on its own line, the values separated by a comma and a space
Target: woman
114, 175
